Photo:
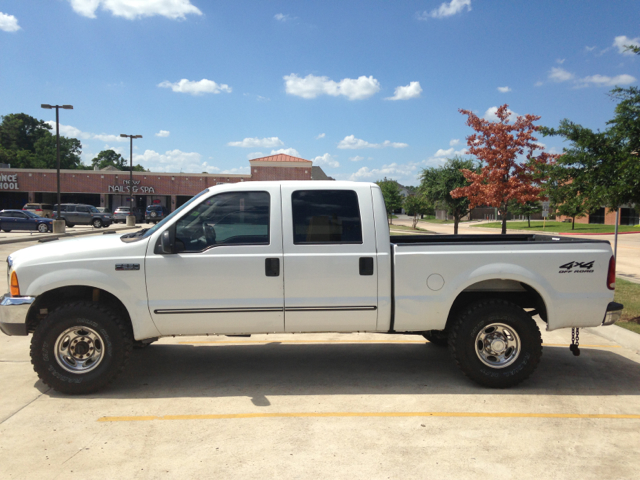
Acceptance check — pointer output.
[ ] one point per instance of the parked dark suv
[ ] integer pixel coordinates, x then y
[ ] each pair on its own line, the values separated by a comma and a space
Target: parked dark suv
79, 214
155, 213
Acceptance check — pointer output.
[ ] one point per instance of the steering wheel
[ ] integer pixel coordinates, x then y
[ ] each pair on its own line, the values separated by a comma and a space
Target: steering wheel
209, 233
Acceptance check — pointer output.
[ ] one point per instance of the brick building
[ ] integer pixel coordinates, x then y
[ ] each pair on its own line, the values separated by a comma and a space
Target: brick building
110, 187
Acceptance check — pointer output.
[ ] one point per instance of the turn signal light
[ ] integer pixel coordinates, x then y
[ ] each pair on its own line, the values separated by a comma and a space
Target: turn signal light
15, 288
611, 275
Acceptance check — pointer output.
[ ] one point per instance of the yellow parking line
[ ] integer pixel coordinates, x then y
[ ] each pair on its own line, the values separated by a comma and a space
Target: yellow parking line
372, 414
235, 342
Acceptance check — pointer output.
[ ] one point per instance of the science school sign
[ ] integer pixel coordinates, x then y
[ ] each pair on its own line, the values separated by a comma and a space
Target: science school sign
126, 188
9, 182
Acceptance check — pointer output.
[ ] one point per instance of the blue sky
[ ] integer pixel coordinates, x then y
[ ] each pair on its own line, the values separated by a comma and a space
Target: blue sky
366, 89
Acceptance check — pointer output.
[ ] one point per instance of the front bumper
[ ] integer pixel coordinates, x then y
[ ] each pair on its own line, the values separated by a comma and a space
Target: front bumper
13, 314
614, 311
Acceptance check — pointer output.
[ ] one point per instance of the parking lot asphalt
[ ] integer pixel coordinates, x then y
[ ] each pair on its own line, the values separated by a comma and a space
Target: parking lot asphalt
324, 406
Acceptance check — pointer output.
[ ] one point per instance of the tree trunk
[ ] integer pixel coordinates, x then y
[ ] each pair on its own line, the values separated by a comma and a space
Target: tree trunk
529, 220
390, 219
415, 221
573, 223
504, 221
456, 220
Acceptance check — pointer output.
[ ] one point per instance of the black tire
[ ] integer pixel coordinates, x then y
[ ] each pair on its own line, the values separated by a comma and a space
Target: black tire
42, 228
437, 337
474, 322
116, 344
96, 222
6, 231
69, 225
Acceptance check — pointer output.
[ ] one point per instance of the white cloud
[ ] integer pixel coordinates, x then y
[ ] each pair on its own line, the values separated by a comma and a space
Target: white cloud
491, 116
357, 158
253, 155
560, 61
504, 89
450, 152
174, 161
281, 17
326, 160
270, 142
538, 84
604, 81
322, 135
109, 138
622, 41
412, 90
454, 141
287, 151
132, 9
446, 9
353, 143
589, 49
8, 23
312, 86
196, 88
404, 173
163, 133
558, 74
73, 132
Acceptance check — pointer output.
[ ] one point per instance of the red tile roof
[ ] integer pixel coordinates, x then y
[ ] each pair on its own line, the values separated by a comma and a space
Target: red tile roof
280, 157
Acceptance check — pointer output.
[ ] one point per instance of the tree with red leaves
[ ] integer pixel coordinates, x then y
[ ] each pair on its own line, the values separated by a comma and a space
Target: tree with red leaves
503, 178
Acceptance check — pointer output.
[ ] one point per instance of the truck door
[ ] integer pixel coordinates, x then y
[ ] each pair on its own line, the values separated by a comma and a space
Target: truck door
329, 259
226, 276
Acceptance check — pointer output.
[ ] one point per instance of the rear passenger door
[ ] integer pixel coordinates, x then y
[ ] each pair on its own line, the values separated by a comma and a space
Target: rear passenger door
329, 259
83, 215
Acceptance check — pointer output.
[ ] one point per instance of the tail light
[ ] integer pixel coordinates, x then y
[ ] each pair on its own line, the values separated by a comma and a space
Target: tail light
611, 275
15, 287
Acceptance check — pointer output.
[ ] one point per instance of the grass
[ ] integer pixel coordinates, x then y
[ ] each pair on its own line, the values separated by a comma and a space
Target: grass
628, 294
433, 220
561, 227
409, 229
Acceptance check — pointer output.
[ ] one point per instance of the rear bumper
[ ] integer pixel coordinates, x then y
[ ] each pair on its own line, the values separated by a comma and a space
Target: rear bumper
13, 314
614, 310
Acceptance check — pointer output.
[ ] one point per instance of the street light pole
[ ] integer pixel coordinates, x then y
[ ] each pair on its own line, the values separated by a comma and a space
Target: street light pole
58, 225
131, 201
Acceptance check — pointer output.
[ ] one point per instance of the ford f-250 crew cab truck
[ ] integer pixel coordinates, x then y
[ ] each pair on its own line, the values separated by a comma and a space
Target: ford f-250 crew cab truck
277, 257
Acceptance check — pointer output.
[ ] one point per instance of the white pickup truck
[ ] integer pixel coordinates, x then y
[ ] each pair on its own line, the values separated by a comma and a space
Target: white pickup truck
289, 257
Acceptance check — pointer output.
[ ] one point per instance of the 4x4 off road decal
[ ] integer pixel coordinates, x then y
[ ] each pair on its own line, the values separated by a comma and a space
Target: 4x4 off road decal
577, 267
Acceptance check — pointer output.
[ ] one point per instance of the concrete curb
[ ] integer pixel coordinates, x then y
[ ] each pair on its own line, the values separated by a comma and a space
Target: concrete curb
65, 235
619, 335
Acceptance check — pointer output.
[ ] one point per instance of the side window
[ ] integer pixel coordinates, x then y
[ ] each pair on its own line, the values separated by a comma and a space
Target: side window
82, 208
238, 218
326, 216
68, 208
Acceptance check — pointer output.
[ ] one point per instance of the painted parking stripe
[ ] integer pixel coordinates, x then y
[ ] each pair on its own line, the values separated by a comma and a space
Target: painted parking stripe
147, 418
214, 342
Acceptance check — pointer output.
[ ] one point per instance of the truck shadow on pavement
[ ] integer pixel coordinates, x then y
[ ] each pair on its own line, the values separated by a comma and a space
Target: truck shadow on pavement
257, 371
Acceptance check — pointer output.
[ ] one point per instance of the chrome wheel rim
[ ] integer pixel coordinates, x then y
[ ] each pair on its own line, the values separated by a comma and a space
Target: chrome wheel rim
79, 349
498, 345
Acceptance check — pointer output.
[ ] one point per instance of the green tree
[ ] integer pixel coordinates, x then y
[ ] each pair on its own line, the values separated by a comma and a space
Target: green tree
19, 133
525, 209
108, 158
416, 205
438, 182
70, 150
392, 196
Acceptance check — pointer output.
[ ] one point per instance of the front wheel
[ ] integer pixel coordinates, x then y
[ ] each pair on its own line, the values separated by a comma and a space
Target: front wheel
496, 343
42, 228
97, 223
80, 347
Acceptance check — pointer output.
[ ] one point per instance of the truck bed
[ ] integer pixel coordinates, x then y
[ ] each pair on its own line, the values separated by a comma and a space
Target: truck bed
486, 239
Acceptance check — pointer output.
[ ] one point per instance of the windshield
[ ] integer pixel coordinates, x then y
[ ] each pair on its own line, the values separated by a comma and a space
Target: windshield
166, 219
93, 209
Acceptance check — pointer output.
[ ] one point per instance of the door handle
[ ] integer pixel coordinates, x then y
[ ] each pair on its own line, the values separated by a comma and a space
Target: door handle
272, 267
366, 265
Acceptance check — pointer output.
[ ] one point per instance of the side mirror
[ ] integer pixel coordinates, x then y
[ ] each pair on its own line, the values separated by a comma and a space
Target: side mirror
165, 243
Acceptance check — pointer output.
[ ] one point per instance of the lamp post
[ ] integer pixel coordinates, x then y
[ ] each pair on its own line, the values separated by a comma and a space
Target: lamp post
132, 215
58, 225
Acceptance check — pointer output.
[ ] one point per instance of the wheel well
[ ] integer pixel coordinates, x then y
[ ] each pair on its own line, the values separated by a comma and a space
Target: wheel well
523, 295
52, 299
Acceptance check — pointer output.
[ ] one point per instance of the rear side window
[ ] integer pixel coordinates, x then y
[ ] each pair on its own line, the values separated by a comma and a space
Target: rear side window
326, 216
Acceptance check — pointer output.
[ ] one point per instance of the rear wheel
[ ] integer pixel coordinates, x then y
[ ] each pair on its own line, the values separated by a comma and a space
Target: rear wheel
80, 347
496, 343
69, 225
7, 231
